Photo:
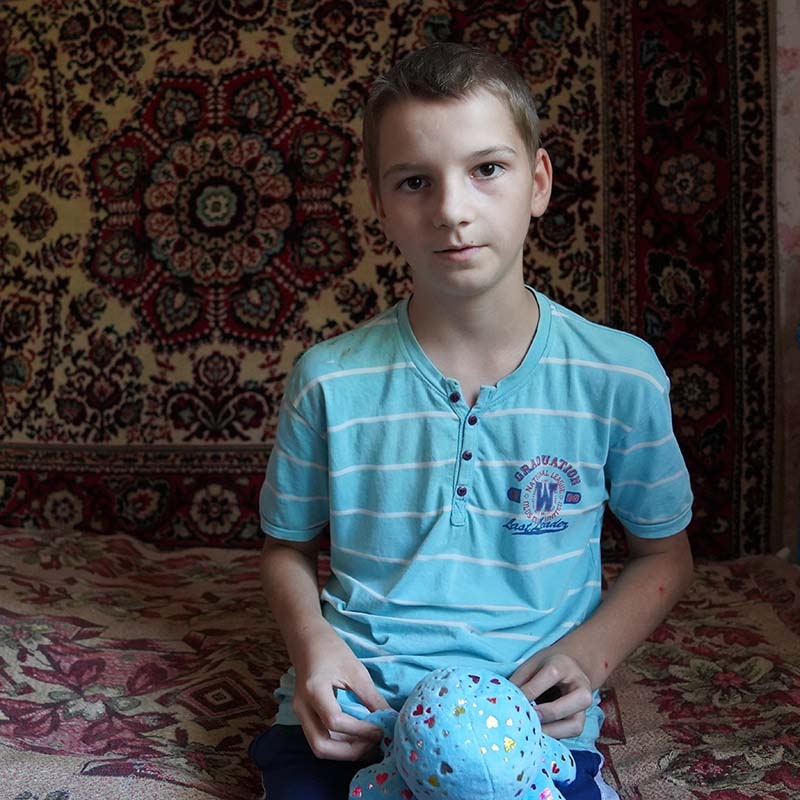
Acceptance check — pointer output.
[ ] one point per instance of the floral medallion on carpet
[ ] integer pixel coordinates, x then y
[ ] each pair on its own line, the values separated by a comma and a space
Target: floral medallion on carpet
183, 211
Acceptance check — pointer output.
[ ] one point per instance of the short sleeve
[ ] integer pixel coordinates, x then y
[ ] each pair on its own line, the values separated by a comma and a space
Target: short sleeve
648, 483
294, 501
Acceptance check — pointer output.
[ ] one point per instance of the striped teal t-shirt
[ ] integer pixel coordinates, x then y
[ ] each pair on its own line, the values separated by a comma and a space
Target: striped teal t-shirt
461, 535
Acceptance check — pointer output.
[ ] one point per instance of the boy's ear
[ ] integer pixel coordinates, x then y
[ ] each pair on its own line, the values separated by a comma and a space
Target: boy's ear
377, 207
542, 183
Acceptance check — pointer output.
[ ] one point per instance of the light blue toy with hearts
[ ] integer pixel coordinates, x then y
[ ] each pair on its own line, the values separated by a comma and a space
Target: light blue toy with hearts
465, 734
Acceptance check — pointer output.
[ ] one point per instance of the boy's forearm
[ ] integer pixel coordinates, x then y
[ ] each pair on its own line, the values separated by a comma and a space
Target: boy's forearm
653, 580
289, 578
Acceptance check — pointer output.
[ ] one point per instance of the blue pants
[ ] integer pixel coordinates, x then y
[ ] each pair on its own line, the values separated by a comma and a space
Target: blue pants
290, 771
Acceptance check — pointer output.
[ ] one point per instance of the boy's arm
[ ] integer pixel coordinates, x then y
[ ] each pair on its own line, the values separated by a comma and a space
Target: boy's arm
657, 574
322, 661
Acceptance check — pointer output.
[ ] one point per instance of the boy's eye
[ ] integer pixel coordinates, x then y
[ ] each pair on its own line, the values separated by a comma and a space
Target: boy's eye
414, 183
490, 170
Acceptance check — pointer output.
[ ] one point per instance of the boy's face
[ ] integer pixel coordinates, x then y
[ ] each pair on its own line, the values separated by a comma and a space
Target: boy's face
456, 191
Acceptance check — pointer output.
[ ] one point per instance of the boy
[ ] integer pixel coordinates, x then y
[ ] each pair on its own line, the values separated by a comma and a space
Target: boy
462, 447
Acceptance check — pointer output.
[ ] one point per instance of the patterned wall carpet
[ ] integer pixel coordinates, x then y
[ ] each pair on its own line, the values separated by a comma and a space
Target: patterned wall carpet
182, 211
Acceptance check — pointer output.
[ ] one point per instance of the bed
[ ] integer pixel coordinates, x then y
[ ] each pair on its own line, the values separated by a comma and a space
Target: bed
129, 671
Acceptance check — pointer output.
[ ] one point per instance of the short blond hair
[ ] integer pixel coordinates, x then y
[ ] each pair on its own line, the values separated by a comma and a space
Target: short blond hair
449, 70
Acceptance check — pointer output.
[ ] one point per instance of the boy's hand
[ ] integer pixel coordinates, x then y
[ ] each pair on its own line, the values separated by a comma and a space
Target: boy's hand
329, 664
550, 669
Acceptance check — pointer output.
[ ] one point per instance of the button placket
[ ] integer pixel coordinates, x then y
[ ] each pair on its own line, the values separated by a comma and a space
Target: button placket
465, 468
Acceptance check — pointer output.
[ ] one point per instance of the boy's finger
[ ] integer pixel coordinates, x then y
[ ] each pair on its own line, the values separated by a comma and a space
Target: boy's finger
565, 728
326, 745
367, 693
342, 738
357, 729
525, 672
539, 685
568, 706
334, 720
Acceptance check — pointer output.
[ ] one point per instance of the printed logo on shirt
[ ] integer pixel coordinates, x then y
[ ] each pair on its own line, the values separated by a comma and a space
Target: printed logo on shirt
544, 486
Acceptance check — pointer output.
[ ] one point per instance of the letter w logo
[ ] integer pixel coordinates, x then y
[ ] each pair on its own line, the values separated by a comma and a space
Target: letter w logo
545, 492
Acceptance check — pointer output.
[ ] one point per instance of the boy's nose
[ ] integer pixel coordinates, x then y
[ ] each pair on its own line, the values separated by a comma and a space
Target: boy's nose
453, 207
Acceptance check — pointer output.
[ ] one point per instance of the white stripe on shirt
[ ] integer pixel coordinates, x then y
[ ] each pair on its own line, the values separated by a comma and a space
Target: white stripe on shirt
392, 467
577, 362
554, 412
674, 477
641, 445
392, 418
459, 558
347, 373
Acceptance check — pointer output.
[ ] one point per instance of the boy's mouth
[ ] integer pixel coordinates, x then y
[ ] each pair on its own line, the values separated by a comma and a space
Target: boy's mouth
458, 248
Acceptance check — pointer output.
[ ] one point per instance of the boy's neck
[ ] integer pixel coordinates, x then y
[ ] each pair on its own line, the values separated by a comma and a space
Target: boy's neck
476, 341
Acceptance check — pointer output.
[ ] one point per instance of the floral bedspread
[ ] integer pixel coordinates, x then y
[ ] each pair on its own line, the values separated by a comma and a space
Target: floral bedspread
709, 706
130, 672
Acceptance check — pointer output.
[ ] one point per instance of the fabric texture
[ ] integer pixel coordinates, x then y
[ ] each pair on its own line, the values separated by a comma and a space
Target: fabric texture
469, 535
183, 211
129, 672
290, 770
